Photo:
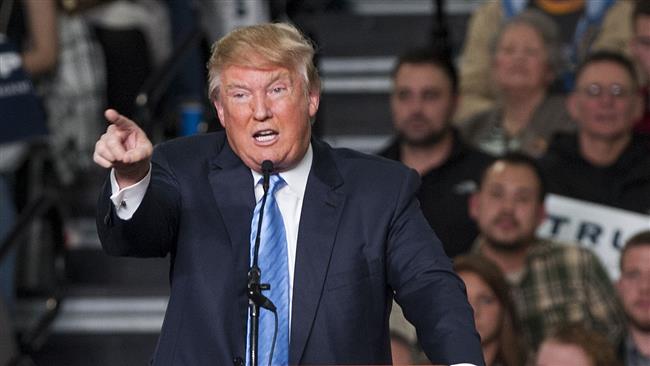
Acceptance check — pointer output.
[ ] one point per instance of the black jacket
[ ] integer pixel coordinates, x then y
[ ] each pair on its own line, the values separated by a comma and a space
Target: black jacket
624, 184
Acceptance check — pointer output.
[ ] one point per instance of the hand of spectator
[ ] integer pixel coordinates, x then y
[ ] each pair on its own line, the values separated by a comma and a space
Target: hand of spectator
124, 147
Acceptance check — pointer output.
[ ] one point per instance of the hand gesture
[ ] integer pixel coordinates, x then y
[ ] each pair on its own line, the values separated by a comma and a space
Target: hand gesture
124, 147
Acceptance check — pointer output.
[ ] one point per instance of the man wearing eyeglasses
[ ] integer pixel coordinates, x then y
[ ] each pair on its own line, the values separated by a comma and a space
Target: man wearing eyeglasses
604, 162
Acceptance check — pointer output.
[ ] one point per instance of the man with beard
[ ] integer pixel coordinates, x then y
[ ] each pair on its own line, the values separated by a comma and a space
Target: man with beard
552, 283
634, 289
424, 98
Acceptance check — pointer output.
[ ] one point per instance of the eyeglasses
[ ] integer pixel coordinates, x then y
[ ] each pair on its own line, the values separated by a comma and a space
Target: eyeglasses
642, 41
596, 90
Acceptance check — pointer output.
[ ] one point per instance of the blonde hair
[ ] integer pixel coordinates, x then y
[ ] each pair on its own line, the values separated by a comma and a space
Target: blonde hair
276, 44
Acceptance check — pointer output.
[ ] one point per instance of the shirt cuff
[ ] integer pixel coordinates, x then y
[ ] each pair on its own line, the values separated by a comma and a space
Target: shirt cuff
128, 199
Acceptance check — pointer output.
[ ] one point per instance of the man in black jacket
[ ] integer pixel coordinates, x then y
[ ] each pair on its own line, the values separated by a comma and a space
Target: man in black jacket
604, 162
423, 101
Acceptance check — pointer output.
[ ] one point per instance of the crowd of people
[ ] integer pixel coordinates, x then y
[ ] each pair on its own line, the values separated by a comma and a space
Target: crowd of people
549, 97
531, 119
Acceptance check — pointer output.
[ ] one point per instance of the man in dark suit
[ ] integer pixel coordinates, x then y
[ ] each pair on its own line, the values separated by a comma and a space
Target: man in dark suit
352, 231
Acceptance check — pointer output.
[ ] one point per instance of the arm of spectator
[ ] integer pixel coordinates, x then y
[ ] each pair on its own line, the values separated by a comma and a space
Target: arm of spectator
476, 95
42, 53
616, 30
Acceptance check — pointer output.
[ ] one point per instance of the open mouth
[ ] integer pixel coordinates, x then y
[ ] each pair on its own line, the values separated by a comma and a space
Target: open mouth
265, 136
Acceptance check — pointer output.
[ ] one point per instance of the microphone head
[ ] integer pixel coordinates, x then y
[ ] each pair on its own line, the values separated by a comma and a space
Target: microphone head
267, 167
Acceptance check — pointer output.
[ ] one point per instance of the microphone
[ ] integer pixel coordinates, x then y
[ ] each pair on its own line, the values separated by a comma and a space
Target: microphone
254, 274
255, 288
267, 169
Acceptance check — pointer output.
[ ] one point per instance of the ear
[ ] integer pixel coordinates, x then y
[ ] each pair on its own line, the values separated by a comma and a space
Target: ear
637, 111
455, 102
473, 206
572, 106
220, 112
549, 75
314, 101
541, 213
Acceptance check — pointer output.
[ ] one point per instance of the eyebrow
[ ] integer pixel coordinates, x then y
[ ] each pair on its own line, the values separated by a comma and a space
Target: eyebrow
278, 75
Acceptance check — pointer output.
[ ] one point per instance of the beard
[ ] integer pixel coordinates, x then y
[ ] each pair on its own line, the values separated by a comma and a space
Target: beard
642, 326
430, 139
512, 245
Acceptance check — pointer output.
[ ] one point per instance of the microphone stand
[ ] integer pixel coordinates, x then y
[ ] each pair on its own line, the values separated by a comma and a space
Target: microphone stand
255, 287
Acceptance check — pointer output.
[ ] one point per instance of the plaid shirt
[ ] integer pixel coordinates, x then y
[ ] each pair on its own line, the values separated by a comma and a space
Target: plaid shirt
565, 284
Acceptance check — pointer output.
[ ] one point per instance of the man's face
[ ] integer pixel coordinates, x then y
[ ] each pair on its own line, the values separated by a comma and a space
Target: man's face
605, 103
640, 45
266, 113
422, 103
634, 286
507, 207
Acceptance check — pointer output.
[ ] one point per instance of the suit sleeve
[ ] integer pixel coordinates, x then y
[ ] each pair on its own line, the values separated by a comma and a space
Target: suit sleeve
151, 231
431, 295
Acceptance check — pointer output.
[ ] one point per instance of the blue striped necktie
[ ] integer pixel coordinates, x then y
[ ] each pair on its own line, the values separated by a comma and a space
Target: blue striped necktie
273, 263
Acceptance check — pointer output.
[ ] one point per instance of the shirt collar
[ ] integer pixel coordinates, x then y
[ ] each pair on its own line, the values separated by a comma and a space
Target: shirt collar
295, 177
632, 354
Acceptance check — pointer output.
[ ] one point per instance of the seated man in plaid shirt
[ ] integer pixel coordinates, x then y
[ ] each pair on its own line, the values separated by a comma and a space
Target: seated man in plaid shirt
552, 284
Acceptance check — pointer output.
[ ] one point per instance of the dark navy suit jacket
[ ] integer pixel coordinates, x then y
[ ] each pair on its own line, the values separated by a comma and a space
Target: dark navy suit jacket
362, 240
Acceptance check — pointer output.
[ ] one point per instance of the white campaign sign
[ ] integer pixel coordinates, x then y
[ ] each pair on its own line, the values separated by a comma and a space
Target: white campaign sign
600, 228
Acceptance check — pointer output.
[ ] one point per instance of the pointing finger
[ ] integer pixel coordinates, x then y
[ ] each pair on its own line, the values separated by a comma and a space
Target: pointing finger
117, 119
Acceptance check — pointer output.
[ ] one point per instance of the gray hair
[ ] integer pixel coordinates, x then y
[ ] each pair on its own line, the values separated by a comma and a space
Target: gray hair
545, 28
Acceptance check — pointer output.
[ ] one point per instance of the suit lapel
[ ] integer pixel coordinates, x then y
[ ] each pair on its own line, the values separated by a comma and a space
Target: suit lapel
321, 212
232, 186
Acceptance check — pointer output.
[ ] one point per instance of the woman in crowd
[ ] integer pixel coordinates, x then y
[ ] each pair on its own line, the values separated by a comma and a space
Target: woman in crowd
574, 345
525, 60
494, 312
